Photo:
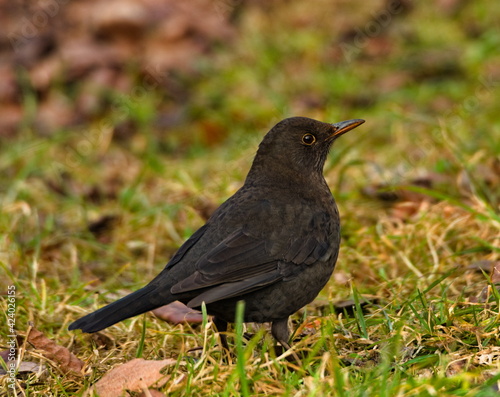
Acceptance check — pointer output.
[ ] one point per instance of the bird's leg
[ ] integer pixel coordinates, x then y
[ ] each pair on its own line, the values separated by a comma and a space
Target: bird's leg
221, 326
281, 332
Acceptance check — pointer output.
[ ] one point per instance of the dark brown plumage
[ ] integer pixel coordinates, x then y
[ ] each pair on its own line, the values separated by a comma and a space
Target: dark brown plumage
273, 244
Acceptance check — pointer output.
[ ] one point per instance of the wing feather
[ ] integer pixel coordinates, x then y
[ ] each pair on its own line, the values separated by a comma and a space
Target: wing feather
243, 262
230, 290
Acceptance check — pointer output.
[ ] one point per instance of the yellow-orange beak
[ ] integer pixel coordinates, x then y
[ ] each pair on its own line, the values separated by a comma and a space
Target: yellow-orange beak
342, 127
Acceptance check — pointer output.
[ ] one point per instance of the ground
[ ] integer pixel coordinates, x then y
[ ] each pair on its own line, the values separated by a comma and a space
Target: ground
104, 177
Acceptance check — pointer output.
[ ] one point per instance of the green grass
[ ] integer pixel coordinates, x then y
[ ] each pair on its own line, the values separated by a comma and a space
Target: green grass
423, 336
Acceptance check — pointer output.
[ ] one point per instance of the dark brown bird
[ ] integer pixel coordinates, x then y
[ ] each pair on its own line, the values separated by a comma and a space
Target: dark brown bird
273, 244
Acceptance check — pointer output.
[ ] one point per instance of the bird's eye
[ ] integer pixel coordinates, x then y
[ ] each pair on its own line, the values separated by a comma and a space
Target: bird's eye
308, 139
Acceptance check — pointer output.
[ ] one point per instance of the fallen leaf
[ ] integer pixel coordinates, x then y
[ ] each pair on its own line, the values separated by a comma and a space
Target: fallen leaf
407, 209
45, 71
28, 367
66, 360
102, 341
341, 277
400, 192
4, 355
406, 202
8, 84
456, 367
177, 312
495, 273
324, 306
481, 265
125, 18
486, 174
60, 48
135, 376
11, 116
494, 268
379, 46
350, 304
54, 111
308, 328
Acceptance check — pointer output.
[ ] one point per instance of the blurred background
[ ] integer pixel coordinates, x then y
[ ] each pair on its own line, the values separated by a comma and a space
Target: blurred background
155, 67
123, 124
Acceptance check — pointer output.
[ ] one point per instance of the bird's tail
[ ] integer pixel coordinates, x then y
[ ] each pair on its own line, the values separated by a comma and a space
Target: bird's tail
131, 305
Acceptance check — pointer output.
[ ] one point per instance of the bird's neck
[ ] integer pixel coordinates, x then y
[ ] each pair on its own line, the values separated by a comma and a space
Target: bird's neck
272, 173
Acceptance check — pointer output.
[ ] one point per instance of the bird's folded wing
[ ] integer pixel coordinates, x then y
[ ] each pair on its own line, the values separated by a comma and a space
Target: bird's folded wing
237, 288
242, 263
188, 244
238, 257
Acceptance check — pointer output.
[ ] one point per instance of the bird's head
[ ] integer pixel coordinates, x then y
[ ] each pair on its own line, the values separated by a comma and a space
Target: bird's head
300, 144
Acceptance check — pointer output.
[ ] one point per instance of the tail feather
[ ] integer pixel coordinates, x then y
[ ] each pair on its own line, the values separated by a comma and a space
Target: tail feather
129, 306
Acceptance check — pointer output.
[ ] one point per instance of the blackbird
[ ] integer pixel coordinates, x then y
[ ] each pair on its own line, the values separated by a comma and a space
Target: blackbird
273, 244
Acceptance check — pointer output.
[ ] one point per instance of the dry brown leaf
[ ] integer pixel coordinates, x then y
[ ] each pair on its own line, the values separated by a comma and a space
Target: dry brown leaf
45, 71
487, 173
11, 116
126, 18
309, 328
456, 367
102, 341
494, 268
481, 265
349, 304
401, 193
171, 55
380, 46
4, 355
177, 312
495, 273
406, 202
324, 306
136, 375
408, 209
55, 111
64, 46
66, 360
28, 367
341, 277
8, 85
